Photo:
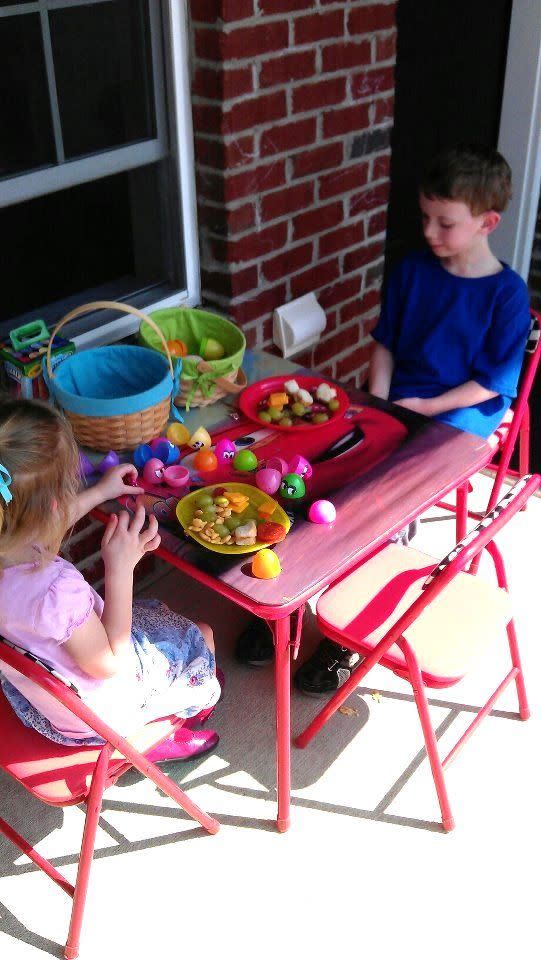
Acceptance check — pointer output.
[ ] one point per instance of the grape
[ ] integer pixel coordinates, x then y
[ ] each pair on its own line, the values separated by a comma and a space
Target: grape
232, 523
275, 414
320, 418
298, 409
286, 422
333, 405
203, 500
265, 416
221, 529
209, 514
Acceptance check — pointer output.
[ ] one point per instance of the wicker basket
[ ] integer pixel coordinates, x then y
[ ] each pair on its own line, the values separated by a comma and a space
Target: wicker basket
118, 430
202, 382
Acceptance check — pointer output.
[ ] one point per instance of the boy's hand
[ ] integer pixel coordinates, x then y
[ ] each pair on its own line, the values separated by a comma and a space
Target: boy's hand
125, 541
417, 404
113, 483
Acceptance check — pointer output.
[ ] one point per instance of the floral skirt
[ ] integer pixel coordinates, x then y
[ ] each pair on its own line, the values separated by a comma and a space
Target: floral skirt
172, 672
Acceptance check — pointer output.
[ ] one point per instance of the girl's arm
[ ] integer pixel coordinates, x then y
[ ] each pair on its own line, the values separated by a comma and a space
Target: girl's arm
466, 395
111, 485
99, 647
381, 372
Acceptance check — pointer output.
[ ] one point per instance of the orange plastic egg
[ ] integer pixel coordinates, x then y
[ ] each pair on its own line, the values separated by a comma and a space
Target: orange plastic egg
177, 348
266, 565
205, 461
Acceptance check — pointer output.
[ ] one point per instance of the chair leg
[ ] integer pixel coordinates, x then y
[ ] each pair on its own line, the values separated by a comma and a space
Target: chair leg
523, 705
524, 443
430, 738
461, 512
93, 810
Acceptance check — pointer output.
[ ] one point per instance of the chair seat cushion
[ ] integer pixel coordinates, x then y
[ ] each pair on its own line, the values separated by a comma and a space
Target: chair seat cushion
59, 774
447, 637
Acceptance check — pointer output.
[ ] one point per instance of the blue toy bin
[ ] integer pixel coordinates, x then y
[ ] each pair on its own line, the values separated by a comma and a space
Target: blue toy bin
115, 397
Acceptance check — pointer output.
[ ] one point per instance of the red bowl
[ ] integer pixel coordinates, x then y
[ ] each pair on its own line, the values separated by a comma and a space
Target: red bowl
252, 396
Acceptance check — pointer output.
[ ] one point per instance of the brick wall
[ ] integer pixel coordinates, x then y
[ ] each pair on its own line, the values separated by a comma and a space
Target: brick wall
292, 111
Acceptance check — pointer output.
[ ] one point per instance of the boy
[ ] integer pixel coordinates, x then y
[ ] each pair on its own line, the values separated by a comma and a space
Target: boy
451, 336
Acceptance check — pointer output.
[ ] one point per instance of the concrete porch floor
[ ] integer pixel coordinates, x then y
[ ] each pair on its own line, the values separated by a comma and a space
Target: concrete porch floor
364, 818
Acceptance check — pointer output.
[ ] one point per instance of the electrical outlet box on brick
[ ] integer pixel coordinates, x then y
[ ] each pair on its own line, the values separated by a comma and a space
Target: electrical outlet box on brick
298, 325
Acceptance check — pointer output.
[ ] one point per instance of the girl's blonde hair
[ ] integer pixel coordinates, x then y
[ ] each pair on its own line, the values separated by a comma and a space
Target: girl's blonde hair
38, 449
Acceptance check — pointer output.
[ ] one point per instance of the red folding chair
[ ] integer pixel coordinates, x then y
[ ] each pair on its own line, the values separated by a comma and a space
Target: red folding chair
514, 426
65, 775
427, 622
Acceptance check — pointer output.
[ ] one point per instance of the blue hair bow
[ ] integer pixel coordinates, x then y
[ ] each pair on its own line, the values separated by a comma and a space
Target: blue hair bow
5, 481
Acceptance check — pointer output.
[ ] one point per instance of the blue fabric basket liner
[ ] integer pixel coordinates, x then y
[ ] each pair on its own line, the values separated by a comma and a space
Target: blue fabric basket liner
110, 381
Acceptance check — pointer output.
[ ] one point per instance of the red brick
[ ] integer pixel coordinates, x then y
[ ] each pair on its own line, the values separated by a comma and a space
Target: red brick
340, 56
210, 11
255, 40
288, 136
369, 324
377, 223
315, 278
378, 16
381, 166
289, 66
350, 311
210, 185
371, 299
341, 340
338, 292
317, 220
250, 247
384, 109
345, 120
287, 262
372, 81
251, 337
281, 6
254, 112
232, 284
216, 84
260, 306
361, 256
337, 240
253, 182
386, 47
282, 202
369, 199
207, 118
343, 180
222, 155
322, 158
240, 219
319, 26
312, 96
207, 43
351, 364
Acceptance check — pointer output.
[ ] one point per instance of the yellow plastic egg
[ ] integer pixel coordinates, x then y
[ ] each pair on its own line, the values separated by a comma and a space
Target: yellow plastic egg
178, 434
266, 565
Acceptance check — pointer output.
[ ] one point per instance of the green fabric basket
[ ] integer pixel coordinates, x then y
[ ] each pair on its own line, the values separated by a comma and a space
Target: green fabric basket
197, 387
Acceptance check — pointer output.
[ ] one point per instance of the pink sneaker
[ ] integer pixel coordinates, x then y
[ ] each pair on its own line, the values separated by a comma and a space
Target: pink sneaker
185, 744
204, 715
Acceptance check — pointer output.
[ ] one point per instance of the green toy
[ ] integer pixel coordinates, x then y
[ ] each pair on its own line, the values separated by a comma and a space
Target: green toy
292, 487
245, 461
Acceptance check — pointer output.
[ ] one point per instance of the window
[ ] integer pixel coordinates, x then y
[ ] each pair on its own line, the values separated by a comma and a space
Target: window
96, 167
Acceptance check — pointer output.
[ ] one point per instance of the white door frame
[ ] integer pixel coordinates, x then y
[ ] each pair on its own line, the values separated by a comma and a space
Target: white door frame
520, 135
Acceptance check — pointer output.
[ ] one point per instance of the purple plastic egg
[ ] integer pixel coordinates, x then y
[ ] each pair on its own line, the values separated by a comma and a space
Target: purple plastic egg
268, 480
277, 463
142, 454
225, 451
322, 511
153, 471
85, 466
110, 459
301, 466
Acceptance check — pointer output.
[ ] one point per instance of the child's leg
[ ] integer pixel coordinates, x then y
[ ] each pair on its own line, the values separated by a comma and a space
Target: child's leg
208, 635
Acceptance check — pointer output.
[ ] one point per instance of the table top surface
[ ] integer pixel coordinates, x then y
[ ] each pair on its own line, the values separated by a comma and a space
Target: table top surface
433, 460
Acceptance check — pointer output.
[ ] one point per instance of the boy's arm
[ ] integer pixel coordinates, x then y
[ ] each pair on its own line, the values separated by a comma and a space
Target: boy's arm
380, 372
466, 395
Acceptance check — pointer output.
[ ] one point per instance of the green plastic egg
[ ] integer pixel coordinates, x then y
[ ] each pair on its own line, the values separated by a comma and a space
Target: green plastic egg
245, 460
292, 487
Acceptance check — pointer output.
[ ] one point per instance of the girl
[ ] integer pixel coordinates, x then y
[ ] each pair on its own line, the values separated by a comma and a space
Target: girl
130, 664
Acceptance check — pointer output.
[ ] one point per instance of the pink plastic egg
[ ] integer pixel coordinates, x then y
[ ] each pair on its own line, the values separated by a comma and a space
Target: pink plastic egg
153, 470
322, 511
277, 463
225, 451
301, 466
268, 480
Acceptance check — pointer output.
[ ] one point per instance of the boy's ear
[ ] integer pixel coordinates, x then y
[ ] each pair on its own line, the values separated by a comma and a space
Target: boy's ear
491, 220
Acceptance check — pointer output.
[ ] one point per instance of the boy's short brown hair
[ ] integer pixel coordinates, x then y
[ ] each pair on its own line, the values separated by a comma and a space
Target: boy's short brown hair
478, 176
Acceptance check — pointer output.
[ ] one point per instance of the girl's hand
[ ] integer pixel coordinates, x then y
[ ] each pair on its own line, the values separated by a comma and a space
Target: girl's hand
125, 541
113, 483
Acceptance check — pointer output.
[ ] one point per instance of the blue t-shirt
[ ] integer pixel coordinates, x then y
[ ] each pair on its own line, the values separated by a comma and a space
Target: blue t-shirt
444, 330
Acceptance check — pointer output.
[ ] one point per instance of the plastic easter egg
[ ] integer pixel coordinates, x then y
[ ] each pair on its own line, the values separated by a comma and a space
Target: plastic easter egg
225, 451
177, 348
205, 461
277, 463
211, 349
86, 468
266, 565
245, 461
300, 466
153, 470
163, 449
200, 439
268, 480
177, 477
177, 433
322, 511
292, 487
110, 459
142, 454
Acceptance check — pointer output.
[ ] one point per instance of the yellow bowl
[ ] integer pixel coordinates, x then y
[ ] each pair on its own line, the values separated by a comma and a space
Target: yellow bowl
186, 508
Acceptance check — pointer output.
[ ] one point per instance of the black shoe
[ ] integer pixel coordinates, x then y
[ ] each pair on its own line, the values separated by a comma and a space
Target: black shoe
326, 670
255, 646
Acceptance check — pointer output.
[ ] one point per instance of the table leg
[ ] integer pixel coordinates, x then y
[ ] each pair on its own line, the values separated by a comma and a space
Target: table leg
282, 679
